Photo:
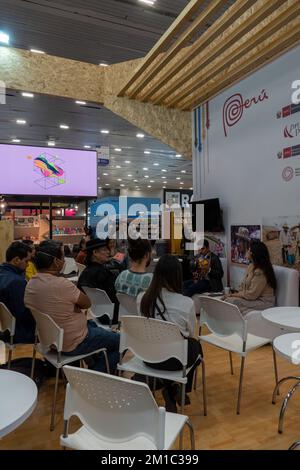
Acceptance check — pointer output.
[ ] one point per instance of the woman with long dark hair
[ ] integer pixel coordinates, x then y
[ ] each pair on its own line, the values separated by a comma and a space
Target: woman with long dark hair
257, 291
164, 301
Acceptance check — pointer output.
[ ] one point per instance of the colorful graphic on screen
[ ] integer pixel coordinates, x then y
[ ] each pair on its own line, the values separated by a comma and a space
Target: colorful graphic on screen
41, 171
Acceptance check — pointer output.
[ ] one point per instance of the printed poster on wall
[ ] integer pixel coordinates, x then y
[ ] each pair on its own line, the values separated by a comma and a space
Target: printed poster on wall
241, 236
217, 243
282, 237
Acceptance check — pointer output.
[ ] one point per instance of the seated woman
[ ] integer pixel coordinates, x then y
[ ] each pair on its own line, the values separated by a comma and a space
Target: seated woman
257, 291
164, 301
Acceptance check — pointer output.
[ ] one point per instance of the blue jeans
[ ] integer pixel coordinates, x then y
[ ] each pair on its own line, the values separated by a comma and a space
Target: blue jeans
191, 288
97, 338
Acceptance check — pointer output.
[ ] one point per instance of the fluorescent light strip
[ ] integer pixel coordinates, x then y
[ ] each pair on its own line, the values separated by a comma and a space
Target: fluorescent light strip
37, 51
27, 95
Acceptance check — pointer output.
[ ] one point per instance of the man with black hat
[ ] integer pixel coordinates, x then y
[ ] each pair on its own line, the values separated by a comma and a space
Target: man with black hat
96, 273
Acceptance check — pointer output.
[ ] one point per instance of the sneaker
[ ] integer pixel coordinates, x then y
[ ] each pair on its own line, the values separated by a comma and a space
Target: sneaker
169, 401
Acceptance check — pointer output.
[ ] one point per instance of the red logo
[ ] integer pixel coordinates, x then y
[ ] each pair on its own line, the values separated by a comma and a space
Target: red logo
234, 106
288, 173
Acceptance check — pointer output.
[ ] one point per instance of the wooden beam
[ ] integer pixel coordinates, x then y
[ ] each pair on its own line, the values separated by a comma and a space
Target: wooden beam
197, 24
222, 23
246, 24
166, 38
286, 40
238, 51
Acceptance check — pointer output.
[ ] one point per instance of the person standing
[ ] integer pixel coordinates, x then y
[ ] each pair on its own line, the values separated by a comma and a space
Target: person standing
286, 241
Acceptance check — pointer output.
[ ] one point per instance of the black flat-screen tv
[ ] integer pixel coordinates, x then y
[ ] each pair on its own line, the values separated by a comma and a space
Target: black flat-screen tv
213, 217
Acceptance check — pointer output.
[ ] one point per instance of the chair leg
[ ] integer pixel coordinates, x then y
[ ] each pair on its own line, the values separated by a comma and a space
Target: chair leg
204, 387
52, 424
295, 445
192, 434
231, 363
275, 370
195, 378
291, 377
181, 410
240, 386
9, 358
33, 363
284, 406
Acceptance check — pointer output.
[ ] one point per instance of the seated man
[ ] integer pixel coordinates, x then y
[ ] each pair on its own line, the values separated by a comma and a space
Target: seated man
12, 288
207, 273
59, 298
96, 273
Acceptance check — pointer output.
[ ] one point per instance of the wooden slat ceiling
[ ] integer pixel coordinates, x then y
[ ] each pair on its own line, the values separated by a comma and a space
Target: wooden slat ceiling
244, 37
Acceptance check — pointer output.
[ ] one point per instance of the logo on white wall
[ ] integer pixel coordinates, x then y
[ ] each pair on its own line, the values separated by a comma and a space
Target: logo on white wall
234, 107
288, 173
292, 131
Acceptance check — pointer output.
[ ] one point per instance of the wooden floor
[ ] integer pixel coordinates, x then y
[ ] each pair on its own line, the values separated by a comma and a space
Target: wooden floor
255, 428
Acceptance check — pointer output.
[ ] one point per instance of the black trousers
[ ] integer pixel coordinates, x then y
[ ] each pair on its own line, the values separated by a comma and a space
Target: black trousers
194, 349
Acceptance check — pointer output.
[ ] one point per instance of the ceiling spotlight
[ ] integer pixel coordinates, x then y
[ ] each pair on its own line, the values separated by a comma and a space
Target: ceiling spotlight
181, 182
16, 141
118, 150
105, 174
183, 171
21, 121
106, 184
145, 169
135, 181
178, 178
151, 181
87, 146
120, 179
118, 166
37, 51
146, 176
140, 136
127, 161
27, 95
148, 2
191, 189
129, 176
80, 102
164, 177
147, 152
122, 185
165, 171
178, 155
4, 38
104, 131
156, 164
51, 143
64, 126
149, 186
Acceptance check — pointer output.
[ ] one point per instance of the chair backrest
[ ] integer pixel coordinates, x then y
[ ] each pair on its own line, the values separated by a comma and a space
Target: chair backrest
287, 294
128, 305
7, 320
48, 331
101, 303
115, 408
152, 340
70, 266
222, 318
80, 268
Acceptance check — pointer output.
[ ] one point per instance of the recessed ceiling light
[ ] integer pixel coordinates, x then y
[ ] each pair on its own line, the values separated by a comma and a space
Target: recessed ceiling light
21, 121
147, 152
135, 181
127, 161
146, 176
104, 131
151, 181
181, 182
51, 143
64, 126
103, 64
80, 102
118, 166
105, 174
27, 95
164, 187
156, 164
122, 185
178, 178
87, 146
164, 177
99, 187
178, 155
37, 51
183, 171
106, 184
149, 186
4, 38
165, 171
191, 189
129, 176
145, 169
118, 150
140, 136
148, 2
16, 141
120, 179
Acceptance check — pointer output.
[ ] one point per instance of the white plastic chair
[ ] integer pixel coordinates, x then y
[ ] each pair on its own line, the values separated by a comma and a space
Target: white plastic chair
229, 332
51, 337
80, 268
287, 346
7, 322
101, 305
70, 266
155, 341
128, 305
117, 414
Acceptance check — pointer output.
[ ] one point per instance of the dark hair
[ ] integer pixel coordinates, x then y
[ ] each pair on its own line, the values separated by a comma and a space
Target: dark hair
46, 252
17, 250
67, 251
28, 242
137, 249
261, 260
81, 243
167, 274
206, 243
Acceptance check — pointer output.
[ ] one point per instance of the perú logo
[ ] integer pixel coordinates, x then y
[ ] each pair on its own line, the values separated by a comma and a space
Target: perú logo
234, 106
296, 352
287, 174
2, 353
292, 131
